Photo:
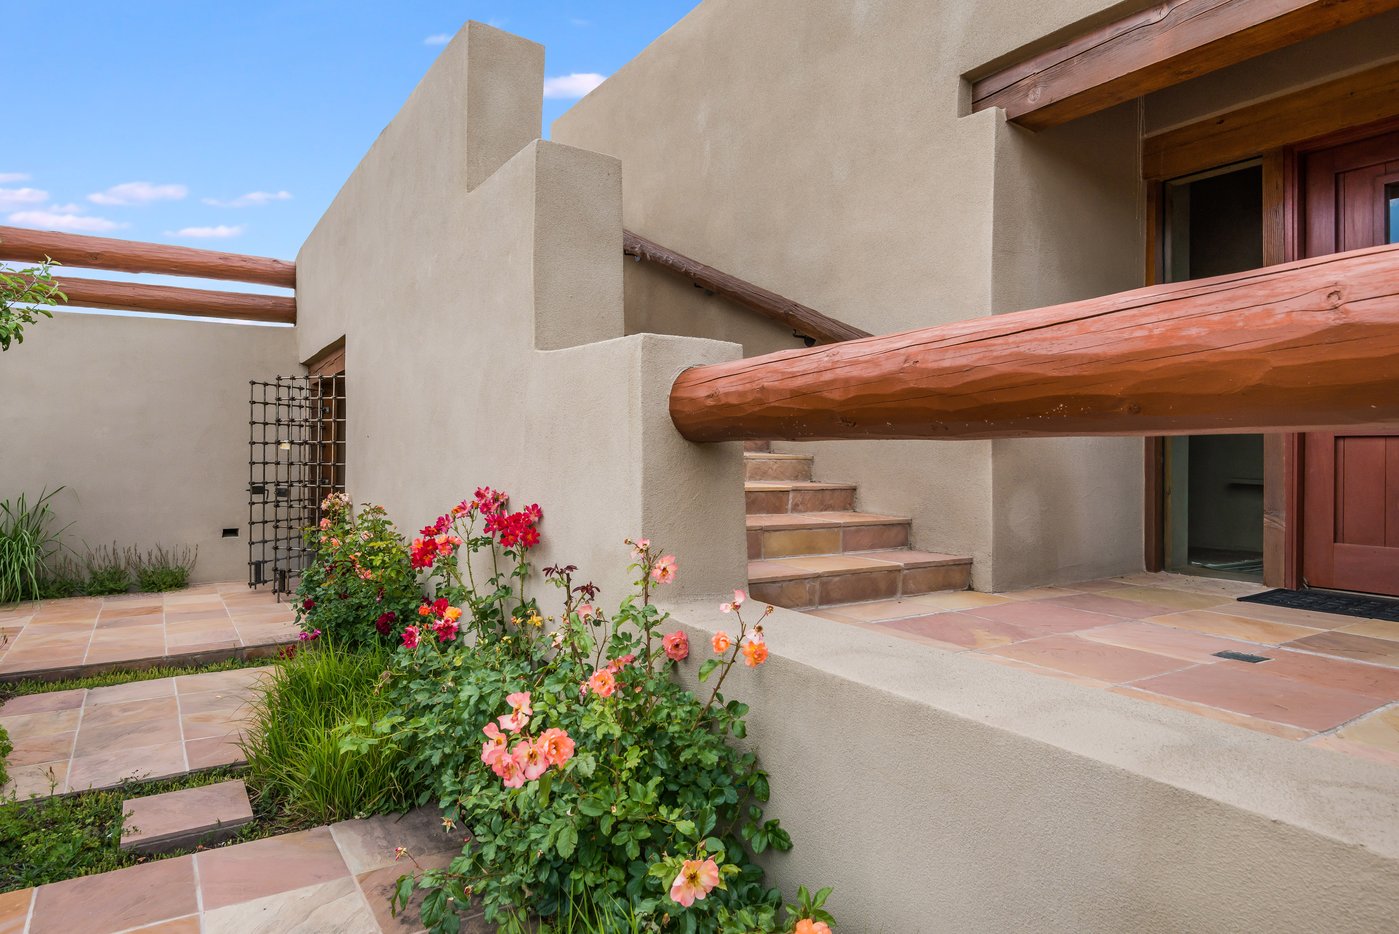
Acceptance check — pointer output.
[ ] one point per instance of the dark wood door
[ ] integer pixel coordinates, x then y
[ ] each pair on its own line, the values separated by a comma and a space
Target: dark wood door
1350, 529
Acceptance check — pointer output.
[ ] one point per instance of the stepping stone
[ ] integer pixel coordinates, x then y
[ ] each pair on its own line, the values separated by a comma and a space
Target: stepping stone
179, 820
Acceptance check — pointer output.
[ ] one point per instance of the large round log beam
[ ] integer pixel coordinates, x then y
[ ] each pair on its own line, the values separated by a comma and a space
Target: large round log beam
1307, 345
172, 300
34, 246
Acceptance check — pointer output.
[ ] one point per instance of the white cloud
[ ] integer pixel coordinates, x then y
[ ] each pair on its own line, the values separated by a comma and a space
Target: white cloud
70, 208
581, 23
441, 38
572, 86
7, 177
217, 232
138, 193
251, 199
14, 197
69, 221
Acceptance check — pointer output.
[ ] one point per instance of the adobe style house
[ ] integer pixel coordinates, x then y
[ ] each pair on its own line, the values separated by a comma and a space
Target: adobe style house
1133, 307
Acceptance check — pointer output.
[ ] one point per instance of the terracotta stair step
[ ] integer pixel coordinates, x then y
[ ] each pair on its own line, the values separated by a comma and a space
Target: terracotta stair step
785, 535
767, 466
811, 581
781, 496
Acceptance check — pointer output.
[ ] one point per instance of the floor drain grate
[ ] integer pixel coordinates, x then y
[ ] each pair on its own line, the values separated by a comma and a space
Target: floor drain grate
1242, 657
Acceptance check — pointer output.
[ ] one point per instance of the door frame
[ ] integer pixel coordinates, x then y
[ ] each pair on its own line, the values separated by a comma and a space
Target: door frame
1284, 465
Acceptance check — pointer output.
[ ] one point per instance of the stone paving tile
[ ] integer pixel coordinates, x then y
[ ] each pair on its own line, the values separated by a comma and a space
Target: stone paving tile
329, 906
65, 637
14, 910
1242, 688
117, 901
1097, 660
1263, 632
301, 882
1331, 681
99, 737
270, 866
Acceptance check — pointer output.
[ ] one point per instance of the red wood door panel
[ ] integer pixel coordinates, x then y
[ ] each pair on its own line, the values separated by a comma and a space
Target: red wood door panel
1350, 493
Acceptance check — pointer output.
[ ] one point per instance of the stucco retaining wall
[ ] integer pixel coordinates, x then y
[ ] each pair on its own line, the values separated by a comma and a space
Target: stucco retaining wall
943, 793
144, 421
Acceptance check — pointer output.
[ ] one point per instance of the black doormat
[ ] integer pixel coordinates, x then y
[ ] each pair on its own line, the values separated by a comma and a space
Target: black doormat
1325, 601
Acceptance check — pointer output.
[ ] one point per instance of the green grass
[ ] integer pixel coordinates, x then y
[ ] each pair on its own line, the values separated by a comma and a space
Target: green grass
55, 838
294, 751
16, 689
6, 747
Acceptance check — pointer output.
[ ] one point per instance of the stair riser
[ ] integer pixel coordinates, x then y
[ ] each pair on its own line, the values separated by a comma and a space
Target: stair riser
768, 502
758, 468
833, 590
789, 543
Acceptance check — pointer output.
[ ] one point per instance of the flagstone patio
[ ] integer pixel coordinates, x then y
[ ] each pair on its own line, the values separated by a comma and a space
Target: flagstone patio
99, 737
54, 639
335, 878
1329, 681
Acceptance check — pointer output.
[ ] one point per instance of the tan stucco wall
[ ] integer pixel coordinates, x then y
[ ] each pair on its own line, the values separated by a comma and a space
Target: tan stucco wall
483, 323
944, 793
819, 150
145, 422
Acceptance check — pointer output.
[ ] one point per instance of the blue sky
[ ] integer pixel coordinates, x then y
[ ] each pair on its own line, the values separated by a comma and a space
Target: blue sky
232, 125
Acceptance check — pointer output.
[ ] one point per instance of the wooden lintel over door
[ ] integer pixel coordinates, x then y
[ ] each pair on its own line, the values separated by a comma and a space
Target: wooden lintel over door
1350, 480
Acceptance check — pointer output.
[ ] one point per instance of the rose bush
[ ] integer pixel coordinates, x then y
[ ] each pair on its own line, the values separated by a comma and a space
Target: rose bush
360, 587
582, 770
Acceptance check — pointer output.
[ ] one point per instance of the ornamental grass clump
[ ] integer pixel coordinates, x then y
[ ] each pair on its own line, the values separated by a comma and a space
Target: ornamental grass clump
562, 749
293, 750
28, 541
360, 585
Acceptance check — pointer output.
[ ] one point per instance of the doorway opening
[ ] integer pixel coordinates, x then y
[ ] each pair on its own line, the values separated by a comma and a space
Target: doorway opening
1213, 484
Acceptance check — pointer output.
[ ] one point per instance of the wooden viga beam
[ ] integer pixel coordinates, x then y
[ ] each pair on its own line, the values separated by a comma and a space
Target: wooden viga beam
1306, 345
806, 321
172, 300
33, 246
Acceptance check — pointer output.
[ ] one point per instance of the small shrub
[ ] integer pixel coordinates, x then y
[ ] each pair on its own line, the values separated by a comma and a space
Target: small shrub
108, 571
23, 293
159, 570
360, 586
594, 775
6, 747
27, 542
60, 578
293, 750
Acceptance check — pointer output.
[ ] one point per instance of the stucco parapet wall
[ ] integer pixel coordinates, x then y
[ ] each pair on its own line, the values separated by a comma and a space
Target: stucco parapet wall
1350, 800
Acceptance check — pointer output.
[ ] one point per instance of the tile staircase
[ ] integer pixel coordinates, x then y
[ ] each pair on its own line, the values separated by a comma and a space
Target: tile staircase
809, 548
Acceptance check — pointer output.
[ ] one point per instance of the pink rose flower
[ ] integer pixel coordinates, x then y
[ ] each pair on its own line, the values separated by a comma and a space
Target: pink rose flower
556, 745
696, 880
410, 637
663, 572
531, 759
677, 646
495, 745
520, 711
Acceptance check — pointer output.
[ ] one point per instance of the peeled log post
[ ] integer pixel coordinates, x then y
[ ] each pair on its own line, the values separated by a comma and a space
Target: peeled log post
33, 246
1307, 345
172, 300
